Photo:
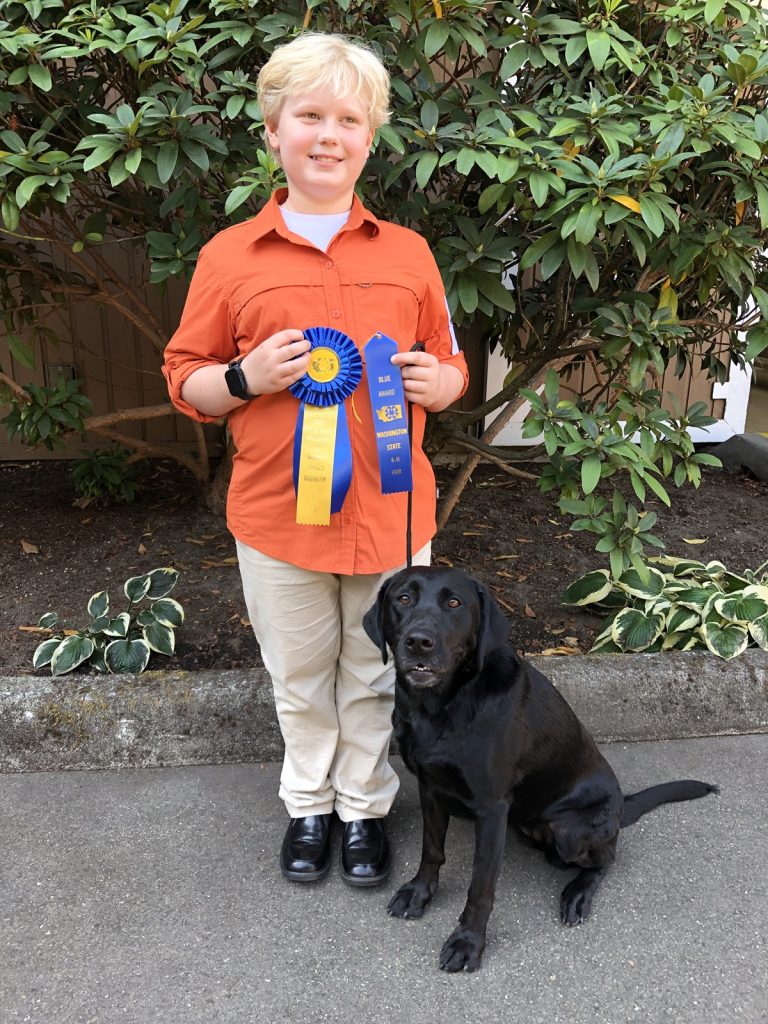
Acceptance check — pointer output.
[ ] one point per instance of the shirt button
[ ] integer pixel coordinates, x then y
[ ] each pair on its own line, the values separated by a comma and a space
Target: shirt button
335, 313
329, 264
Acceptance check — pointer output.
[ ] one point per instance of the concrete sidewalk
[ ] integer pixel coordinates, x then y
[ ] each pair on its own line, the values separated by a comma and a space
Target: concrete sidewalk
153, 897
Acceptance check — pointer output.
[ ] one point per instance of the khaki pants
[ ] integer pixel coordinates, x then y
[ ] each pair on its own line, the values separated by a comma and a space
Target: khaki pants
333, 694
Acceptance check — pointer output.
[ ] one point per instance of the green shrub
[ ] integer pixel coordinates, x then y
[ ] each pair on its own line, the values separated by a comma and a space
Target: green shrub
120, 643
677, 604
105, 473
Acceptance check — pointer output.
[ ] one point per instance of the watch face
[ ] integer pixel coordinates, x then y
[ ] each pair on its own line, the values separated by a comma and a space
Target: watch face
236, 382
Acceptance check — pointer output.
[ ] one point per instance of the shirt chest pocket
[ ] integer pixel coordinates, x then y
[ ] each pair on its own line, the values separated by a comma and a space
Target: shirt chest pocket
388, 306
275, 304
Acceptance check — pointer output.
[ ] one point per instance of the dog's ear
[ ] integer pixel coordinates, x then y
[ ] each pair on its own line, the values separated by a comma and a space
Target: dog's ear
494, 628
373, 621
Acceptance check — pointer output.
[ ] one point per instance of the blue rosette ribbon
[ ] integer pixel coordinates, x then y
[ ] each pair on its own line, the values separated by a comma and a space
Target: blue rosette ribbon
322, 453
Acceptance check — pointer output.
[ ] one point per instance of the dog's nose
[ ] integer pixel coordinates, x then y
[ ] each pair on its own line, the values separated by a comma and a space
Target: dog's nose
419, 643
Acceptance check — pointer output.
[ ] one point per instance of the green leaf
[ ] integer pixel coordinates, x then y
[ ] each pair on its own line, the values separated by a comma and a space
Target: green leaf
589, 589
651, 216
167, 156
127, 655
741, 608
168, 612
616, 558
599, 44
44, 652
632, 582
137, 587
711, 10
429, 115
514, 59
27, 189
48, 621
467, 293
71, 652
537, 249
118, 626
98, 604
424, 168
490, 196
391, 137
695, 598
494, 290
161, 582
633, 630
758, 630
41, 76
726, 641
681, 619
591, 469
237, 197
160, 638
437, 34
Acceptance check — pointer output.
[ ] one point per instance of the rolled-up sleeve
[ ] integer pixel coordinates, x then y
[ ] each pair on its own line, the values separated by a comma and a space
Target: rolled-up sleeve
205, 334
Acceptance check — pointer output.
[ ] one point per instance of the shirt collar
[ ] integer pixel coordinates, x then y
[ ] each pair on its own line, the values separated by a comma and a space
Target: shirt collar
269, 219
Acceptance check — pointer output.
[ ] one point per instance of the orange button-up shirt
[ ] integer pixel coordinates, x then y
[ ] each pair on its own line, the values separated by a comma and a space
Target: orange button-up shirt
257, 278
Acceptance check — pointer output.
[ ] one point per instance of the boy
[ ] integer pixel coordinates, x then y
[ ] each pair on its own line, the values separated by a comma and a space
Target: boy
315, 257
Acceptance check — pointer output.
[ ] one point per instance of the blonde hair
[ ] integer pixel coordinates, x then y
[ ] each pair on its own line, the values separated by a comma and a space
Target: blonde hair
322, 60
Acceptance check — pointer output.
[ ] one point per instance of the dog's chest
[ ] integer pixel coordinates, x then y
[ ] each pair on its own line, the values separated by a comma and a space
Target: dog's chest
436, 754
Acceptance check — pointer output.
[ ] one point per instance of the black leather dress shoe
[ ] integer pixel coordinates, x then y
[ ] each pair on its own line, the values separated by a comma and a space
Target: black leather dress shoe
305, 855
364, 852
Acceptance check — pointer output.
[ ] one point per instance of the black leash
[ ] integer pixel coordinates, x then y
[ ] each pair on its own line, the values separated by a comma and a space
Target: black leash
418, 347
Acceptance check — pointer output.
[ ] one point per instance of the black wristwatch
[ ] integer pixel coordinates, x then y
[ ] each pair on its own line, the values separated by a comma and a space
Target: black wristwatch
236, 382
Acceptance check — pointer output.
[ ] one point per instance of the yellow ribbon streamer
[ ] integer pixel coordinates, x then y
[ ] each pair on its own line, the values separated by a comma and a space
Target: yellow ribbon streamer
313, 499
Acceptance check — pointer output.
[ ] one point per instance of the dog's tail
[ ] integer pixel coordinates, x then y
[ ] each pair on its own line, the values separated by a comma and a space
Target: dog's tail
638, 804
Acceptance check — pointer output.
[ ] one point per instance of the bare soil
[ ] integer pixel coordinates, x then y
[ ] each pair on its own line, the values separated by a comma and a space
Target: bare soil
54, 554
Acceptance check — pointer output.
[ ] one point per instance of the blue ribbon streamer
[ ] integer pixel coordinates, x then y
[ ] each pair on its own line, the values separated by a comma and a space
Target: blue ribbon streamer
385, 383
334, 392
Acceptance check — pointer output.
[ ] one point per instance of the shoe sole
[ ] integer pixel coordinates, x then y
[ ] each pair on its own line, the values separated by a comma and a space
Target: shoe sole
363, 883
305, 876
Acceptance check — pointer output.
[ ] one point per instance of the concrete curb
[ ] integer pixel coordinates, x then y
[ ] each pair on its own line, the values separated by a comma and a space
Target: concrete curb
163, 718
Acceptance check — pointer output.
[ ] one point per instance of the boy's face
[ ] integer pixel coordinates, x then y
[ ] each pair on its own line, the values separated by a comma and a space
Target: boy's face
323, 143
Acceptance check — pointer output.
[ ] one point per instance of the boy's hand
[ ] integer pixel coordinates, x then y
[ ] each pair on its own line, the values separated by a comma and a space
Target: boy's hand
422, 378
276, 363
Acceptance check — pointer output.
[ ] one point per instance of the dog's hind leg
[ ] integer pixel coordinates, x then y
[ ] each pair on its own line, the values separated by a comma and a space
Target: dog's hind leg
576, 900
411, 899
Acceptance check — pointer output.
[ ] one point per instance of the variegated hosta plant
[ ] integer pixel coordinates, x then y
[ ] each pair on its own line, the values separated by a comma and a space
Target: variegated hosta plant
119, 643
677, 604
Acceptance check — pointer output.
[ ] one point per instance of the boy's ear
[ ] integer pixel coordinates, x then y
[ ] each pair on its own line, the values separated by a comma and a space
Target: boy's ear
271, 130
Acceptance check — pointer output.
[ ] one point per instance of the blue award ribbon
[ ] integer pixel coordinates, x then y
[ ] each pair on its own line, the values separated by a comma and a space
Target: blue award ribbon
385, 383
322, 454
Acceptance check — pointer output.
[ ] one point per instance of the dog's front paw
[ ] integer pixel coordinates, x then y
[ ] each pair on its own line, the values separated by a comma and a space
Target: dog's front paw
575, 904
411, 899
463, 951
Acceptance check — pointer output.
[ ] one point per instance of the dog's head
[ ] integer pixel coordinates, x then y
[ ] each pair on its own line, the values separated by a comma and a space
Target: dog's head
437, 622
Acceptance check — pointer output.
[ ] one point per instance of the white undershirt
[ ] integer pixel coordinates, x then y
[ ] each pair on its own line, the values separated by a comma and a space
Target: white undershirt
317, 228
320, 229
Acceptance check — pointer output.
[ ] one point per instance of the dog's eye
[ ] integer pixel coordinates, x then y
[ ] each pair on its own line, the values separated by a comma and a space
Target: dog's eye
453, 602
404, 599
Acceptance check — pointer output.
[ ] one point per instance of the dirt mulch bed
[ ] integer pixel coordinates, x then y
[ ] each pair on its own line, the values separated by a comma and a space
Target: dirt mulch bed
54, 554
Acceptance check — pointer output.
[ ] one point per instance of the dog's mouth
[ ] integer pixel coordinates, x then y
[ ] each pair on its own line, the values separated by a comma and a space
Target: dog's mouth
420, 676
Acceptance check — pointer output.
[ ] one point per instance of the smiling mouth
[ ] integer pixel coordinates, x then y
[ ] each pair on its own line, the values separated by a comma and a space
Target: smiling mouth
326, 159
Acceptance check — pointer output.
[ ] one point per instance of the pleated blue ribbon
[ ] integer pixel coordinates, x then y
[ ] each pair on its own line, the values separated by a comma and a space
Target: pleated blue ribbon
335, 370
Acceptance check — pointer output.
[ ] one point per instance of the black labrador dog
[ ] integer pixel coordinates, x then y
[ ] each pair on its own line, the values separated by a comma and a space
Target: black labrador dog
490, 738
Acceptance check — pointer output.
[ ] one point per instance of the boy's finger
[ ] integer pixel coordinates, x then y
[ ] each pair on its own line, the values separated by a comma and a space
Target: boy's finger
412, 359
288, 337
